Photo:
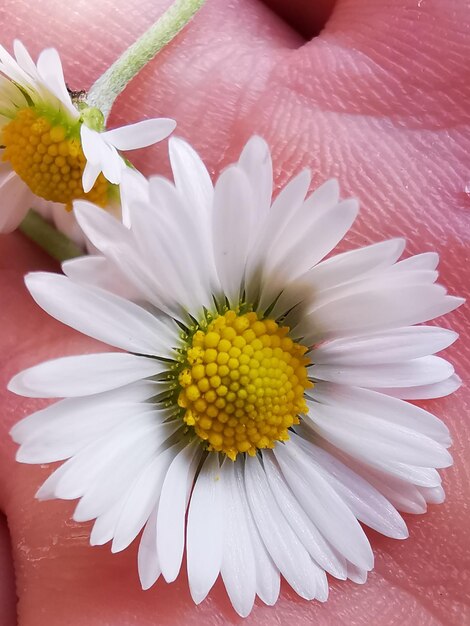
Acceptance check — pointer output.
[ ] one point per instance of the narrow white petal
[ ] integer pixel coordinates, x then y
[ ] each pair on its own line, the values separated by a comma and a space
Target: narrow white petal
141, 134
74, 477
90, 174
105, 524
255, 160
232, 224
347, 266
281, 542
425, 392
204, 534
379, 442
238, 567
172, 510
384, 407
144, 495
98, 271
433, 495
426, 370
101, 315
83, 375
314, 241
134, 188
147, 561
379, 308
24, 59
316, 545
121, 468
324, 506
368, 505
50, 69
392, 346
191, 178
91, 145
16, 201
423, 261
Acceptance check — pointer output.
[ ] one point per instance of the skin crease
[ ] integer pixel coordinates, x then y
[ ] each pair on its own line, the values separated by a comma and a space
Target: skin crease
379, 100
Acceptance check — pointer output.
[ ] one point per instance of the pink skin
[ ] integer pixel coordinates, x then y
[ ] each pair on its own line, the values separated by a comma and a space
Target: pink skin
379, 100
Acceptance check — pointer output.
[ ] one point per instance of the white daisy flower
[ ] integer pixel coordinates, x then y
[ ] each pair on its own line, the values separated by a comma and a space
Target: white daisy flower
253, 415
52, 144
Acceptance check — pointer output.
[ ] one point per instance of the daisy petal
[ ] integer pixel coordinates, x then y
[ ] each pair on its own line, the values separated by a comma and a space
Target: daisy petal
83, 375
143, 497
90, 174
326, 509
172, 510
148, 563
233, 216
16, 197
238, 567
423, 371
281, 542
50, 70
398, 344
139, 135
425, 392
100, 314
204, 535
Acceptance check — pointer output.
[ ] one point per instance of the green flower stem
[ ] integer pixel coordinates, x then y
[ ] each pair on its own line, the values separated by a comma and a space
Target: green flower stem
47, 237
107, 88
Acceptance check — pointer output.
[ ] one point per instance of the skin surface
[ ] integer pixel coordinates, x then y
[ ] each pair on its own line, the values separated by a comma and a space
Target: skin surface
380, 100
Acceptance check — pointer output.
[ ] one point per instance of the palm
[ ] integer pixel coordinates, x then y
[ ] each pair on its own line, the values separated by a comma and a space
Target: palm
378, 100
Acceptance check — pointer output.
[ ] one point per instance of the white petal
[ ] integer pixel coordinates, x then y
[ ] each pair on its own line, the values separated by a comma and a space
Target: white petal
255, 160
238, 564
368, 505
16, 201
392, 346
50, 69
314, 241
423, 261
75, 410
347, 266
204, 534
122, 467
376, 441
384, 407
423, 371
172, 510
101, 155
148, 563
74, 477
101, 315
281, 542
143, 497
141, 134
191, 178
232, 223
90, 174
98, 271
324, 506
83, 375
134, 188
380, 308
425, 392
314, 542
24, 59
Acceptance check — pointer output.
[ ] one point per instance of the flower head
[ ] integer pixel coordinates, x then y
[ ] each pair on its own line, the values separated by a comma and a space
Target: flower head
53, 145
258, 388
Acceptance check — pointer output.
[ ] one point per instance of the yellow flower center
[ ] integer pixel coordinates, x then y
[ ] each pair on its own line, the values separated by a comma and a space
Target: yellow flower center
48, 157
243, 385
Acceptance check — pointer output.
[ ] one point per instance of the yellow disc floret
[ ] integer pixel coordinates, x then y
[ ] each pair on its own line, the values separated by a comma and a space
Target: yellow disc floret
243, 383
48, 157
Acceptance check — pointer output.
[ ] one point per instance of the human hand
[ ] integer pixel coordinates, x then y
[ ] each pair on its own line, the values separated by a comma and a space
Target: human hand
379, 101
